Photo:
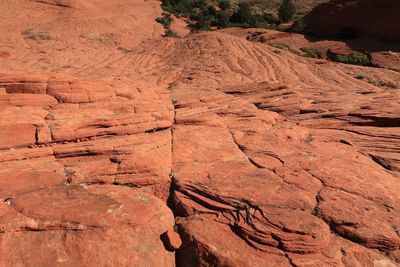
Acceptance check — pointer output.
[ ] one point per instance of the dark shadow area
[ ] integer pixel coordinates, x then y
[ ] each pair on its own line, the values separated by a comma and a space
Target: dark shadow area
165, 241
377, 121
362, 43
368, 25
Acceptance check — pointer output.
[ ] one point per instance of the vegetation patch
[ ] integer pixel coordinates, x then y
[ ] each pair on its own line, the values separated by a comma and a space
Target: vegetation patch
354, 58
284, 47
205, 15
262, 39
287, 10
278, 45
311, 52
166, 21
376, 83
380, 84
36, 36
170, 33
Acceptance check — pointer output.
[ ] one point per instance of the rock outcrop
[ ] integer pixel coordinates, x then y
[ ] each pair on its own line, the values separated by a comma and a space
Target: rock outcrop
280, 187
72, 154
209, 150
67, 225
93, 132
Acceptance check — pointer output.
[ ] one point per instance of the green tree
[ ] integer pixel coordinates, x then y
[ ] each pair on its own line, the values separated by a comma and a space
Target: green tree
224, 4
223, 19
287, 10
243, 15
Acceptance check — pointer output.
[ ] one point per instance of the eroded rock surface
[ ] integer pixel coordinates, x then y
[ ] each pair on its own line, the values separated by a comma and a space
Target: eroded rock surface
293, 189
255, 157
114, 226
72, 153
92, 132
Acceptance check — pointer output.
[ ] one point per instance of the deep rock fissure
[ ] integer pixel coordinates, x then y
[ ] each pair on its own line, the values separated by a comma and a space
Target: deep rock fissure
381, 163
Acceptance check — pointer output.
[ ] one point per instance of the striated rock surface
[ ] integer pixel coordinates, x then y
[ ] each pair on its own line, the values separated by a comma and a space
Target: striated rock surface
92, 132
118, 147
72, 154
297, 189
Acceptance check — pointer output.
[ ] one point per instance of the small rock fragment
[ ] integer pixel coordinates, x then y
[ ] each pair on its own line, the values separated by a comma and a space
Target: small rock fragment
172, 240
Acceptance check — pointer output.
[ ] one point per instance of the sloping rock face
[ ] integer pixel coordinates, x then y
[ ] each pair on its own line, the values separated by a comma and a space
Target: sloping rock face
277, 187
284, 174
255, 157
71, 153
114, 226
93, 132
377, 19
382, 54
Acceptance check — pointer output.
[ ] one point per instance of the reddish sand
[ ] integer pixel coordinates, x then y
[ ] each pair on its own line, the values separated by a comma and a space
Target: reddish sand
114, 137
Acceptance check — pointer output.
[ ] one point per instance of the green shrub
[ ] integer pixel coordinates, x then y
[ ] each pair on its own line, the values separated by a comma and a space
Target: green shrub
170, 33
262, 39
354, 58
359, 77
165, 20
223, 19
224, 4
278, 45
376, 83
201, 21
287, 10
271, 19
242, 15
311, 52
183, 7
211, 11
203, 15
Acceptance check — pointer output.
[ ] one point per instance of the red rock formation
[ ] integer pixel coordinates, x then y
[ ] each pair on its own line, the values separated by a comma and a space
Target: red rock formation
256, 158
280, 186
60, 135
74, 225
172, 240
